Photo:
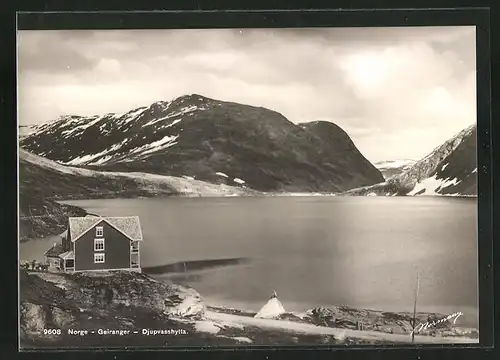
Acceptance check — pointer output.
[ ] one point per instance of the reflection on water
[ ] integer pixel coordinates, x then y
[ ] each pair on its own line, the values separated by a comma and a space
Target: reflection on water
314, 251
189, 266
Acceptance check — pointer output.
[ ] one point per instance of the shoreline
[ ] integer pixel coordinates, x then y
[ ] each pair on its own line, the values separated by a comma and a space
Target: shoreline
381, 322
126, 196
339, 315
48, 224
139, 302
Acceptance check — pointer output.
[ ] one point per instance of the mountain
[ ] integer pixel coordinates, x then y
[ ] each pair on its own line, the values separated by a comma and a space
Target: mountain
391, 168
213, 141
450, 169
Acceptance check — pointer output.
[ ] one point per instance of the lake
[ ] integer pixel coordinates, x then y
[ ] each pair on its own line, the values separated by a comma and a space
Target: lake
314, 251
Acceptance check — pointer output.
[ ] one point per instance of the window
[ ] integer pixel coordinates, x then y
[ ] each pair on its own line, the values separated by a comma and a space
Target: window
99, 231
98, 258
98, 244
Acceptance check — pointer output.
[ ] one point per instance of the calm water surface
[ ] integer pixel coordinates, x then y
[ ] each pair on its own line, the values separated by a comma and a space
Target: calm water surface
314, 251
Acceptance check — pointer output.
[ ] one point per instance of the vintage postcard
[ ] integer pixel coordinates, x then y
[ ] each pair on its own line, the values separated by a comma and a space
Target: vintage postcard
243, 187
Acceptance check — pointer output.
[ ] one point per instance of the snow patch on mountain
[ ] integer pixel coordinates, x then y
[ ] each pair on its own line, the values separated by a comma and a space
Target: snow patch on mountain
449, 170
175, 122
183, 111
81, 128
163, 143
102, 156
432, 186
436, 161
132, 115
221, 174
68, 119
114, 151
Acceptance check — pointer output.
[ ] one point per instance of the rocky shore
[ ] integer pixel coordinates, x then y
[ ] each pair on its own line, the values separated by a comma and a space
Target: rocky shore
40, 217
439, 325
344, 317
87, 309
129, 309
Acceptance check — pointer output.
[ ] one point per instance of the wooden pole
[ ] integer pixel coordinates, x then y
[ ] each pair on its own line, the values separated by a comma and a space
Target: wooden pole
415, 310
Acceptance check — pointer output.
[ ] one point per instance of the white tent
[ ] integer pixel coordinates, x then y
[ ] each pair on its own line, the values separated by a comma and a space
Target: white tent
272, 309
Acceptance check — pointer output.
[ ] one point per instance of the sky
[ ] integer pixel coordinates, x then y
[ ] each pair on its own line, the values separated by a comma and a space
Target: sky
397, 92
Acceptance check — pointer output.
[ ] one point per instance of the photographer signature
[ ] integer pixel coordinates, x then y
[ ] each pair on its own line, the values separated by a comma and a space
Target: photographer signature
428, 324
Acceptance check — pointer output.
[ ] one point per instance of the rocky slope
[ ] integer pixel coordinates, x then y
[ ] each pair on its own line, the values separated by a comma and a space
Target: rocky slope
39, 216
67, 182
105, 300
391, 168
210, 140
387, 322
78, 307
128, 302
43, 181
345, 317
450, 169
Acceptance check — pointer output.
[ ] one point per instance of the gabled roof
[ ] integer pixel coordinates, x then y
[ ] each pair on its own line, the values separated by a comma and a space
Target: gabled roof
54, 251
128, 225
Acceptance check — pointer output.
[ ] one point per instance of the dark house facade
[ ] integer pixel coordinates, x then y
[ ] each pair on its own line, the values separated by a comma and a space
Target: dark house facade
96, 244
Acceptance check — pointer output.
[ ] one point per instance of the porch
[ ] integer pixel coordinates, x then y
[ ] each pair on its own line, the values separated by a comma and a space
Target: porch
68, 261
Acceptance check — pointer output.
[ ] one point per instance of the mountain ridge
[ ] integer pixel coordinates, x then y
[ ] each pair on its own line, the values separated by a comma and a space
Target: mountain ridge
390, 168
196, 136
450, 169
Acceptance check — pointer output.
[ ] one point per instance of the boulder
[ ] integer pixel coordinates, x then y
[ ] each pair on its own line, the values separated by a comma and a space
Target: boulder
33, 318
186, 302
62, 319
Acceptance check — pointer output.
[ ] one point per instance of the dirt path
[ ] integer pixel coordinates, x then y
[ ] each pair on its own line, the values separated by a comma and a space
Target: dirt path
290, 326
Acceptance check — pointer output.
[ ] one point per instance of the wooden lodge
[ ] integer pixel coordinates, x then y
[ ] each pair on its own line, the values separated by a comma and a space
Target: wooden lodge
97, 243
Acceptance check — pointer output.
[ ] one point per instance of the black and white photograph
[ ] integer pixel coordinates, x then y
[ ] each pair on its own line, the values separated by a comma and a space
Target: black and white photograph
247, 187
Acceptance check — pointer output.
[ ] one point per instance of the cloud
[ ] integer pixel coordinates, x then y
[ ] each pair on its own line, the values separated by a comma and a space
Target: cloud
49, 52
382, 85
109, 66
